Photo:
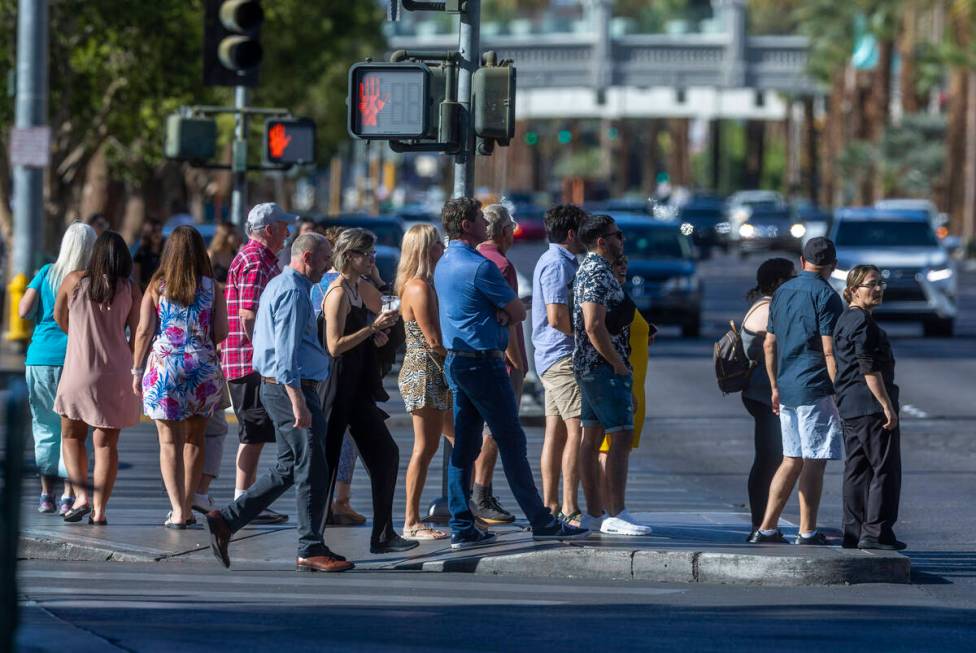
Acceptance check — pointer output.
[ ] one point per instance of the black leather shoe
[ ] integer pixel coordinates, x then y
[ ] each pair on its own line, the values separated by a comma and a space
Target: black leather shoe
872, 543
395, 544
776, 538
817, 539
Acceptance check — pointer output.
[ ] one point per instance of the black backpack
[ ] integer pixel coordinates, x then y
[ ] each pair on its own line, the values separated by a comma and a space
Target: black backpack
732, 366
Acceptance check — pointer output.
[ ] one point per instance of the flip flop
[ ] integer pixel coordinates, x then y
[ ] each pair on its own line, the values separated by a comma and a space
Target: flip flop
424, 533
75, 514
99, 522
169, 523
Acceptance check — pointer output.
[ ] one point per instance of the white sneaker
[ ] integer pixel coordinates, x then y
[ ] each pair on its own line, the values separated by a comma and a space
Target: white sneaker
627, 517
592, 523
617, 526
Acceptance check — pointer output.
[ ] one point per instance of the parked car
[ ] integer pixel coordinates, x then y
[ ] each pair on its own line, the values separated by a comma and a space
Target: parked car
922, 278
662, 277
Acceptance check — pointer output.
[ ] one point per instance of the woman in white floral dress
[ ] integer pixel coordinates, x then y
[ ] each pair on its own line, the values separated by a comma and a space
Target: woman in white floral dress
183, 319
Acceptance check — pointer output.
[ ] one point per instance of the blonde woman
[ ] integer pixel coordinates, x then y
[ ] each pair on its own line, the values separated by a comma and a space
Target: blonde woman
45, 361
422, 384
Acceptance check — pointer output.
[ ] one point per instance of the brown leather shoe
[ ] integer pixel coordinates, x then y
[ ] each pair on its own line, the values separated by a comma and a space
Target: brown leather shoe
322, 563
219, 536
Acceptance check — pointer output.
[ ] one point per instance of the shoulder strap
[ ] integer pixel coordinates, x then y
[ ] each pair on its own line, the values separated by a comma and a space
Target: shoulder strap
754, 307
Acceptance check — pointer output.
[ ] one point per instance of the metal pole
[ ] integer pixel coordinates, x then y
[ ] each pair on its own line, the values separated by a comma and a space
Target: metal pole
31, 111
239, 159
469, 51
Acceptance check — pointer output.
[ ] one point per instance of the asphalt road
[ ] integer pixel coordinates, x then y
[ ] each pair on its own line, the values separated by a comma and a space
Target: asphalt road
696, 451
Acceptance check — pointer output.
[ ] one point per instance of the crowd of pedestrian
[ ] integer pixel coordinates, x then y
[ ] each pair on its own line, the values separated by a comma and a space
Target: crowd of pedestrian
299, 351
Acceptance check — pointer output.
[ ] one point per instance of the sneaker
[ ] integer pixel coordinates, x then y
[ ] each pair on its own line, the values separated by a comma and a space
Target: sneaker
46, 505
204, 507
490, 511
618, 526
269, 516
559, 530
817, 539
627, 517
65, 504
471, 539
775, 538
592, 523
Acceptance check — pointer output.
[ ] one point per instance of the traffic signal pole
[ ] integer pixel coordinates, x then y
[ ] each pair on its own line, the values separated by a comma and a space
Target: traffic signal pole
469, 59
238, 203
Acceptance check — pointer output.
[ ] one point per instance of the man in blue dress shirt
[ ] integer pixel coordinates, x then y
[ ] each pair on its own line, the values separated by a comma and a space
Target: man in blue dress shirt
476, 307
292, 363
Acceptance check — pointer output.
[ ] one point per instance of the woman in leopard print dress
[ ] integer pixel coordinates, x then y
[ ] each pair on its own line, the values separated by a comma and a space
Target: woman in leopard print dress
422, 384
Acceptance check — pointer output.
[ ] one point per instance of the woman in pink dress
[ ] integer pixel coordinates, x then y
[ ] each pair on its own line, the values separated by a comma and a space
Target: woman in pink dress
94, 307
177, 370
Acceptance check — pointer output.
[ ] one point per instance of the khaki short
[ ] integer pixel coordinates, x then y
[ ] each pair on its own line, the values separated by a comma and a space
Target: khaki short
562, 392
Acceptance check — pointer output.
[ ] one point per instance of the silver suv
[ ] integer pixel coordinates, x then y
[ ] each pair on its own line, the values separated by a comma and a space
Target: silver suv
921, 277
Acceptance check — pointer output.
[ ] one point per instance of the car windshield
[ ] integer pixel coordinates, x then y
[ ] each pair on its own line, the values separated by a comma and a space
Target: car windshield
656, 243
884, 233
701, 214
387, 233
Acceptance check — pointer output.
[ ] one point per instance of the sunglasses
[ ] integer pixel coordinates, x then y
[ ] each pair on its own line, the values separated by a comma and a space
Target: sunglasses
875, 284
371, 253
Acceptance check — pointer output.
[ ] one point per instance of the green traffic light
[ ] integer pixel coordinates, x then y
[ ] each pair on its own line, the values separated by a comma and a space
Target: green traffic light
531, 138
565, 136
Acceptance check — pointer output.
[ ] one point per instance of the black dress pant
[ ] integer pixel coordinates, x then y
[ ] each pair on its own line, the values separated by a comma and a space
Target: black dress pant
768, 456
355, 409
872, 479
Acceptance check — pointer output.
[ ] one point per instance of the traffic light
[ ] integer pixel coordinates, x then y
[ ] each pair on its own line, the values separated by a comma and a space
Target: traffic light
190, 139
231, 42
493, 101
289, 141
391, 101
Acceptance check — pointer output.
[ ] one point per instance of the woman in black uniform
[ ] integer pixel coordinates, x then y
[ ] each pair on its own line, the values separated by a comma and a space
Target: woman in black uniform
352, 341
867, 399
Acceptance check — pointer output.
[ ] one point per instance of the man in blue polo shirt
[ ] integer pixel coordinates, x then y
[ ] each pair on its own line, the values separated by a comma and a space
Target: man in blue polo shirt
476, 307
799, 350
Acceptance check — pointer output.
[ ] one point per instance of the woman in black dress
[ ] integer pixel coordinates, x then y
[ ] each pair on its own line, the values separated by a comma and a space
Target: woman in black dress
352, 341
867, 399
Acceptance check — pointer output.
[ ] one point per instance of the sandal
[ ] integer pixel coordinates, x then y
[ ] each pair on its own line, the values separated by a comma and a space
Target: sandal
75, 514
97, 522
169, 523
422, 532
574, 519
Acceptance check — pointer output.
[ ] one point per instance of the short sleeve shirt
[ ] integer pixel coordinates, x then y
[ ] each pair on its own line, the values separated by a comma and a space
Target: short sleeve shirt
250, 271
48, 342
595, 284
552, 283
471, 290
803, 309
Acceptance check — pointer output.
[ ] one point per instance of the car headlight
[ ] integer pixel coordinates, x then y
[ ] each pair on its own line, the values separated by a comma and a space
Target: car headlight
940, 274
678, 284
747, 230
798, 230
840, 275
687, 228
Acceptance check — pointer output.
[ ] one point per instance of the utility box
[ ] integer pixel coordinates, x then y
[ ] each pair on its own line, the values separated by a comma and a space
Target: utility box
190, 139
493, 102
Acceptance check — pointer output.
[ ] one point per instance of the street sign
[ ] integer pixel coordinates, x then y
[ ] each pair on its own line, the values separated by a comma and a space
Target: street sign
30, 146
389, 101
289, 141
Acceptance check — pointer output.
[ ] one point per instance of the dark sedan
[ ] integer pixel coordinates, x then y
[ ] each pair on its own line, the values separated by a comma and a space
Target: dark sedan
704, 217
770, 229
389, 235
662, 278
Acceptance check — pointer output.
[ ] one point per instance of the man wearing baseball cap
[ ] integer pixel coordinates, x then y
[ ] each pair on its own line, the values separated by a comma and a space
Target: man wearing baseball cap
250, 271
799, 350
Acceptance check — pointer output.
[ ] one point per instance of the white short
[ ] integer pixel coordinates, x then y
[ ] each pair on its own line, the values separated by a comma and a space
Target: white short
813, 431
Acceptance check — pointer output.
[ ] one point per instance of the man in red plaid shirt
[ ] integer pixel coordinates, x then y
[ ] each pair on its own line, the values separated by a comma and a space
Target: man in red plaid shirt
250, 271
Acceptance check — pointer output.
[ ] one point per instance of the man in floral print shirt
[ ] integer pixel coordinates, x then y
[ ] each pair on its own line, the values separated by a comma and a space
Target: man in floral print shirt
601, 317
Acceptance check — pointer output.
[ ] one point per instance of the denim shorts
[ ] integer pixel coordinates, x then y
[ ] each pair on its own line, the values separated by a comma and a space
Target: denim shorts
812, 431
607, 400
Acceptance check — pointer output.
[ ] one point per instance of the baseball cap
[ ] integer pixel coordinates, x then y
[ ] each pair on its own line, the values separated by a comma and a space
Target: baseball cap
263, 215
820, 251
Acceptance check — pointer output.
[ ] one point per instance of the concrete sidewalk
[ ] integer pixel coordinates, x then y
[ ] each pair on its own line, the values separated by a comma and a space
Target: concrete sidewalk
685, 547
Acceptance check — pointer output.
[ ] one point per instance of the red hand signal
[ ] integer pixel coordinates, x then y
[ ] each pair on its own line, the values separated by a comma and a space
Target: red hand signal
370, 102
278, 140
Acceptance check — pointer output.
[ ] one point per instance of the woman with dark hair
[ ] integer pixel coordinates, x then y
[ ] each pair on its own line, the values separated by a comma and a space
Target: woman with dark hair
147, 258
867, 400
223, 249
757, 396
181, 383
352, 341
94, 307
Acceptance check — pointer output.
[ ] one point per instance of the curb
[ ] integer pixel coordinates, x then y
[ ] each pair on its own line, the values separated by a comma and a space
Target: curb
839, 568
33, 547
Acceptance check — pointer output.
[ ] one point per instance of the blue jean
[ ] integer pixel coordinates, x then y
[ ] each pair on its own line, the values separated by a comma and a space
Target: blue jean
607, 400
483, 393
301, 462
